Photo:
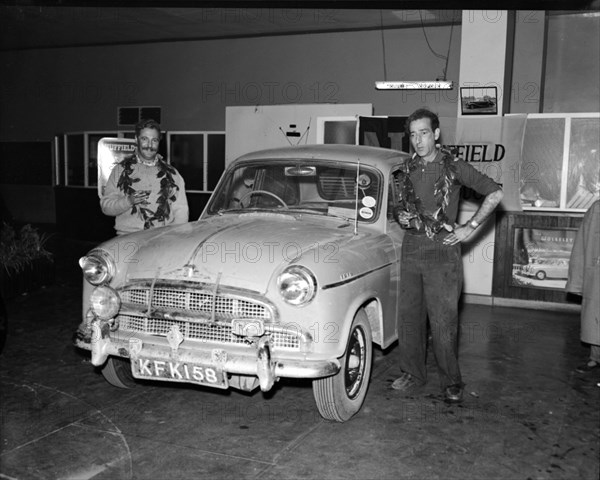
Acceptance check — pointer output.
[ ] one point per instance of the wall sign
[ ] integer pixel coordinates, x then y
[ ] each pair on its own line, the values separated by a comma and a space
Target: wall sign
110, 152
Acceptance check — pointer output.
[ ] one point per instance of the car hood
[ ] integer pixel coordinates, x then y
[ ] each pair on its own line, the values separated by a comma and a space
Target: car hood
246, 250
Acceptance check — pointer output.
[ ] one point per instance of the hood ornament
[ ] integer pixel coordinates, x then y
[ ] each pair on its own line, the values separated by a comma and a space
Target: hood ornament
188, 270
175, 338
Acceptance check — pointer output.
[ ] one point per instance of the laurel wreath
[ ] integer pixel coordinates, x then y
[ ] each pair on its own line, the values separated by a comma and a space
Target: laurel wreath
409, 202
166, 193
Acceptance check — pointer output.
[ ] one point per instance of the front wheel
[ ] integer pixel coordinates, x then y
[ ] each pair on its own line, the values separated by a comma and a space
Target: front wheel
117, 372
541, 275
341, 396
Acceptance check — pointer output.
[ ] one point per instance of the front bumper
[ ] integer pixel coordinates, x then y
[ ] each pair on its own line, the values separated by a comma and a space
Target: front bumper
257, 361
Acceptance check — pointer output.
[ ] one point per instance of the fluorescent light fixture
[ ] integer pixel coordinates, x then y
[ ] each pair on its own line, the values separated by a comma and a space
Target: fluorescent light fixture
425, 85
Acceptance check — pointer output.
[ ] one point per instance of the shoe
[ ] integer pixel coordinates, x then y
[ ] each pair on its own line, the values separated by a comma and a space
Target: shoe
587, 367
454, 393
405, 382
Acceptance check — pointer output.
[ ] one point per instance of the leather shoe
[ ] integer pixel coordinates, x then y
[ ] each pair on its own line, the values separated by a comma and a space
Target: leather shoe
454, 393
405, 382
588, 367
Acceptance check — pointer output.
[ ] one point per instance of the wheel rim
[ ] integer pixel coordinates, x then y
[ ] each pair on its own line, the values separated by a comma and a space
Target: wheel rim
355, 363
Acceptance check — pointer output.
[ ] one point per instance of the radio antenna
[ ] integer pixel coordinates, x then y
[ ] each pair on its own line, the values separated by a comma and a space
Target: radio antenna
356, 198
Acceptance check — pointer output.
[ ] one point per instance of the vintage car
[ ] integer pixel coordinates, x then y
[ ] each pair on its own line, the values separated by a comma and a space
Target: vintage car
480, 104
542, 268
291, 271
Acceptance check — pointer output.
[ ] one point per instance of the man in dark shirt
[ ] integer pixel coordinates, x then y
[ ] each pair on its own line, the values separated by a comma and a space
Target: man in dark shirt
431, 263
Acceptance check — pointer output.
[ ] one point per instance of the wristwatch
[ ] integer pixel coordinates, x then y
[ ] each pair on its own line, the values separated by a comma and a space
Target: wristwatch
473, 224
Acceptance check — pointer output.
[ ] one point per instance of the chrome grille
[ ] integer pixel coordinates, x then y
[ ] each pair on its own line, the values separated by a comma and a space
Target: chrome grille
198, 331
225, 306
190, 330
191, 300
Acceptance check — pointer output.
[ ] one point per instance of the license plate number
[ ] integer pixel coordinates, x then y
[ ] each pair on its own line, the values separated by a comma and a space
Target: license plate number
173, 371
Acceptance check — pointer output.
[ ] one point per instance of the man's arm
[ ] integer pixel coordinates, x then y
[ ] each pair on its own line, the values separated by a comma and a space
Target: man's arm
463, 232
114, 202
490, 202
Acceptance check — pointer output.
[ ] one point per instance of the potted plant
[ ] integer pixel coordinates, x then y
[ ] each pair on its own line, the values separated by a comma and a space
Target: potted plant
25, 262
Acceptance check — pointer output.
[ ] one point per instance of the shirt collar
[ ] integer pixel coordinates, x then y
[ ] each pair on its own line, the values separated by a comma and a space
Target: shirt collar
438, 158
146, 162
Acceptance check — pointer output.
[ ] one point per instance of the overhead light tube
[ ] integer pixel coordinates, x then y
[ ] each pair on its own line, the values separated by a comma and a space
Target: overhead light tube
414, 85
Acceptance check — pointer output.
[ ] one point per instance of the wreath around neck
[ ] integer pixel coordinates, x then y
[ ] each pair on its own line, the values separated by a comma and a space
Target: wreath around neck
409, 202
166, 193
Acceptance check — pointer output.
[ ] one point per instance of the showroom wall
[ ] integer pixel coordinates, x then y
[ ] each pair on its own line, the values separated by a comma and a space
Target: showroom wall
50, 91
56, 90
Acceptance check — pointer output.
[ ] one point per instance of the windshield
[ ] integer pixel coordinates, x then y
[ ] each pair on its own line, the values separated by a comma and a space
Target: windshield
315, 187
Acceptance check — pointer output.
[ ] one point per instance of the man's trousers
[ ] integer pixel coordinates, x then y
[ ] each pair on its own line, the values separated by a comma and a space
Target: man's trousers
431, 282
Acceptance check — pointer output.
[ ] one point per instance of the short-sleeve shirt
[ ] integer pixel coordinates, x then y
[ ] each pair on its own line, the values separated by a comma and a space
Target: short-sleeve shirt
424, 178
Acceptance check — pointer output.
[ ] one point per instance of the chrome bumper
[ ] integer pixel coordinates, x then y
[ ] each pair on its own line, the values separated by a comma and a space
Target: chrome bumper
258, 361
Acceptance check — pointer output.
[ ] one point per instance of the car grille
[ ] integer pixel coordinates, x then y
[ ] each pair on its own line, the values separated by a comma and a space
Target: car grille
226, 307
205, 332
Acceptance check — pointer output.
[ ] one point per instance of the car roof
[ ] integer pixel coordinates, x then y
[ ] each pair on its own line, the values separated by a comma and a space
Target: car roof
381, 158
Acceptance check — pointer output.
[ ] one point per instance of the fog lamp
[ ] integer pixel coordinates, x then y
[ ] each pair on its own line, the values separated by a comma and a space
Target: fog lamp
105, 302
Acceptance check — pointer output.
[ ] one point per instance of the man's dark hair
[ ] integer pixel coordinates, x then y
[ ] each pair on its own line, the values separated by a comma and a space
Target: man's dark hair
423, 113
148, 123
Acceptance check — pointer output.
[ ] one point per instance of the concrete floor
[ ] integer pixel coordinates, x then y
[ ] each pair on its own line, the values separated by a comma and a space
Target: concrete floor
526, 413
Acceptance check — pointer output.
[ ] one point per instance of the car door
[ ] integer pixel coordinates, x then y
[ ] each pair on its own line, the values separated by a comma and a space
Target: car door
396, 234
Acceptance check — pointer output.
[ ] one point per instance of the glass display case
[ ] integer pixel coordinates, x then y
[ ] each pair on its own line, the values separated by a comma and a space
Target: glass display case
560, 169
199, 157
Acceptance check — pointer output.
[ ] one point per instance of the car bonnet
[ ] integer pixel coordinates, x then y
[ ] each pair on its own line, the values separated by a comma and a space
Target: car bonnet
242, 251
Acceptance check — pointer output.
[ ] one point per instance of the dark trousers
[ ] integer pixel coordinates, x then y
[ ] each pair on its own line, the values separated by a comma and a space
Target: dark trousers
431, 282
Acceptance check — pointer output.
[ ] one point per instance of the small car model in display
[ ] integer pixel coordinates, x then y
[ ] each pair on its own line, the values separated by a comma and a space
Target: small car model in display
543, 268
291, 271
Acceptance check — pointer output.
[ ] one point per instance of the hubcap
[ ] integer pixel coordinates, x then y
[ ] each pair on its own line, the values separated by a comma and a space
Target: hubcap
355, 363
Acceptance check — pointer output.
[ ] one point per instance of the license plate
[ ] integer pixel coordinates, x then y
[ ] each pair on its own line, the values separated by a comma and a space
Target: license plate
173, 371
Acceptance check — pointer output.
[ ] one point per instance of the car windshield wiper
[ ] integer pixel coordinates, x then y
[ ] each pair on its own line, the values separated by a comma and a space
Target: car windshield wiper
348, 220
292, 211
308, 210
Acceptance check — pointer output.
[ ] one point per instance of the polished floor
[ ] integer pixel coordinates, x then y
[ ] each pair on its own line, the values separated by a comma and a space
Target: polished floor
526, 413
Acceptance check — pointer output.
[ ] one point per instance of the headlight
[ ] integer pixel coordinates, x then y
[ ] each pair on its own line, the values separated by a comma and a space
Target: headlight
297, 285
105, 302
98, 267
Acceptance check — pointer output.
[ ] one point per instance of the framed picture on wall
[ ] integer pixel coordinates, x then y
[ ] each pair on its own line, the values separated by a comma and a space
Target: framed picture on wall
532, 254
479, 100
541, 257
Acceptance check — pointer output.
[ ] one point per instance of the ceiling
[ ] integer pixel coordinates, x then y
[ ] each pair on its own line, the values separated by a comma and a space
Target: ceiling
33, 25
25, 27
